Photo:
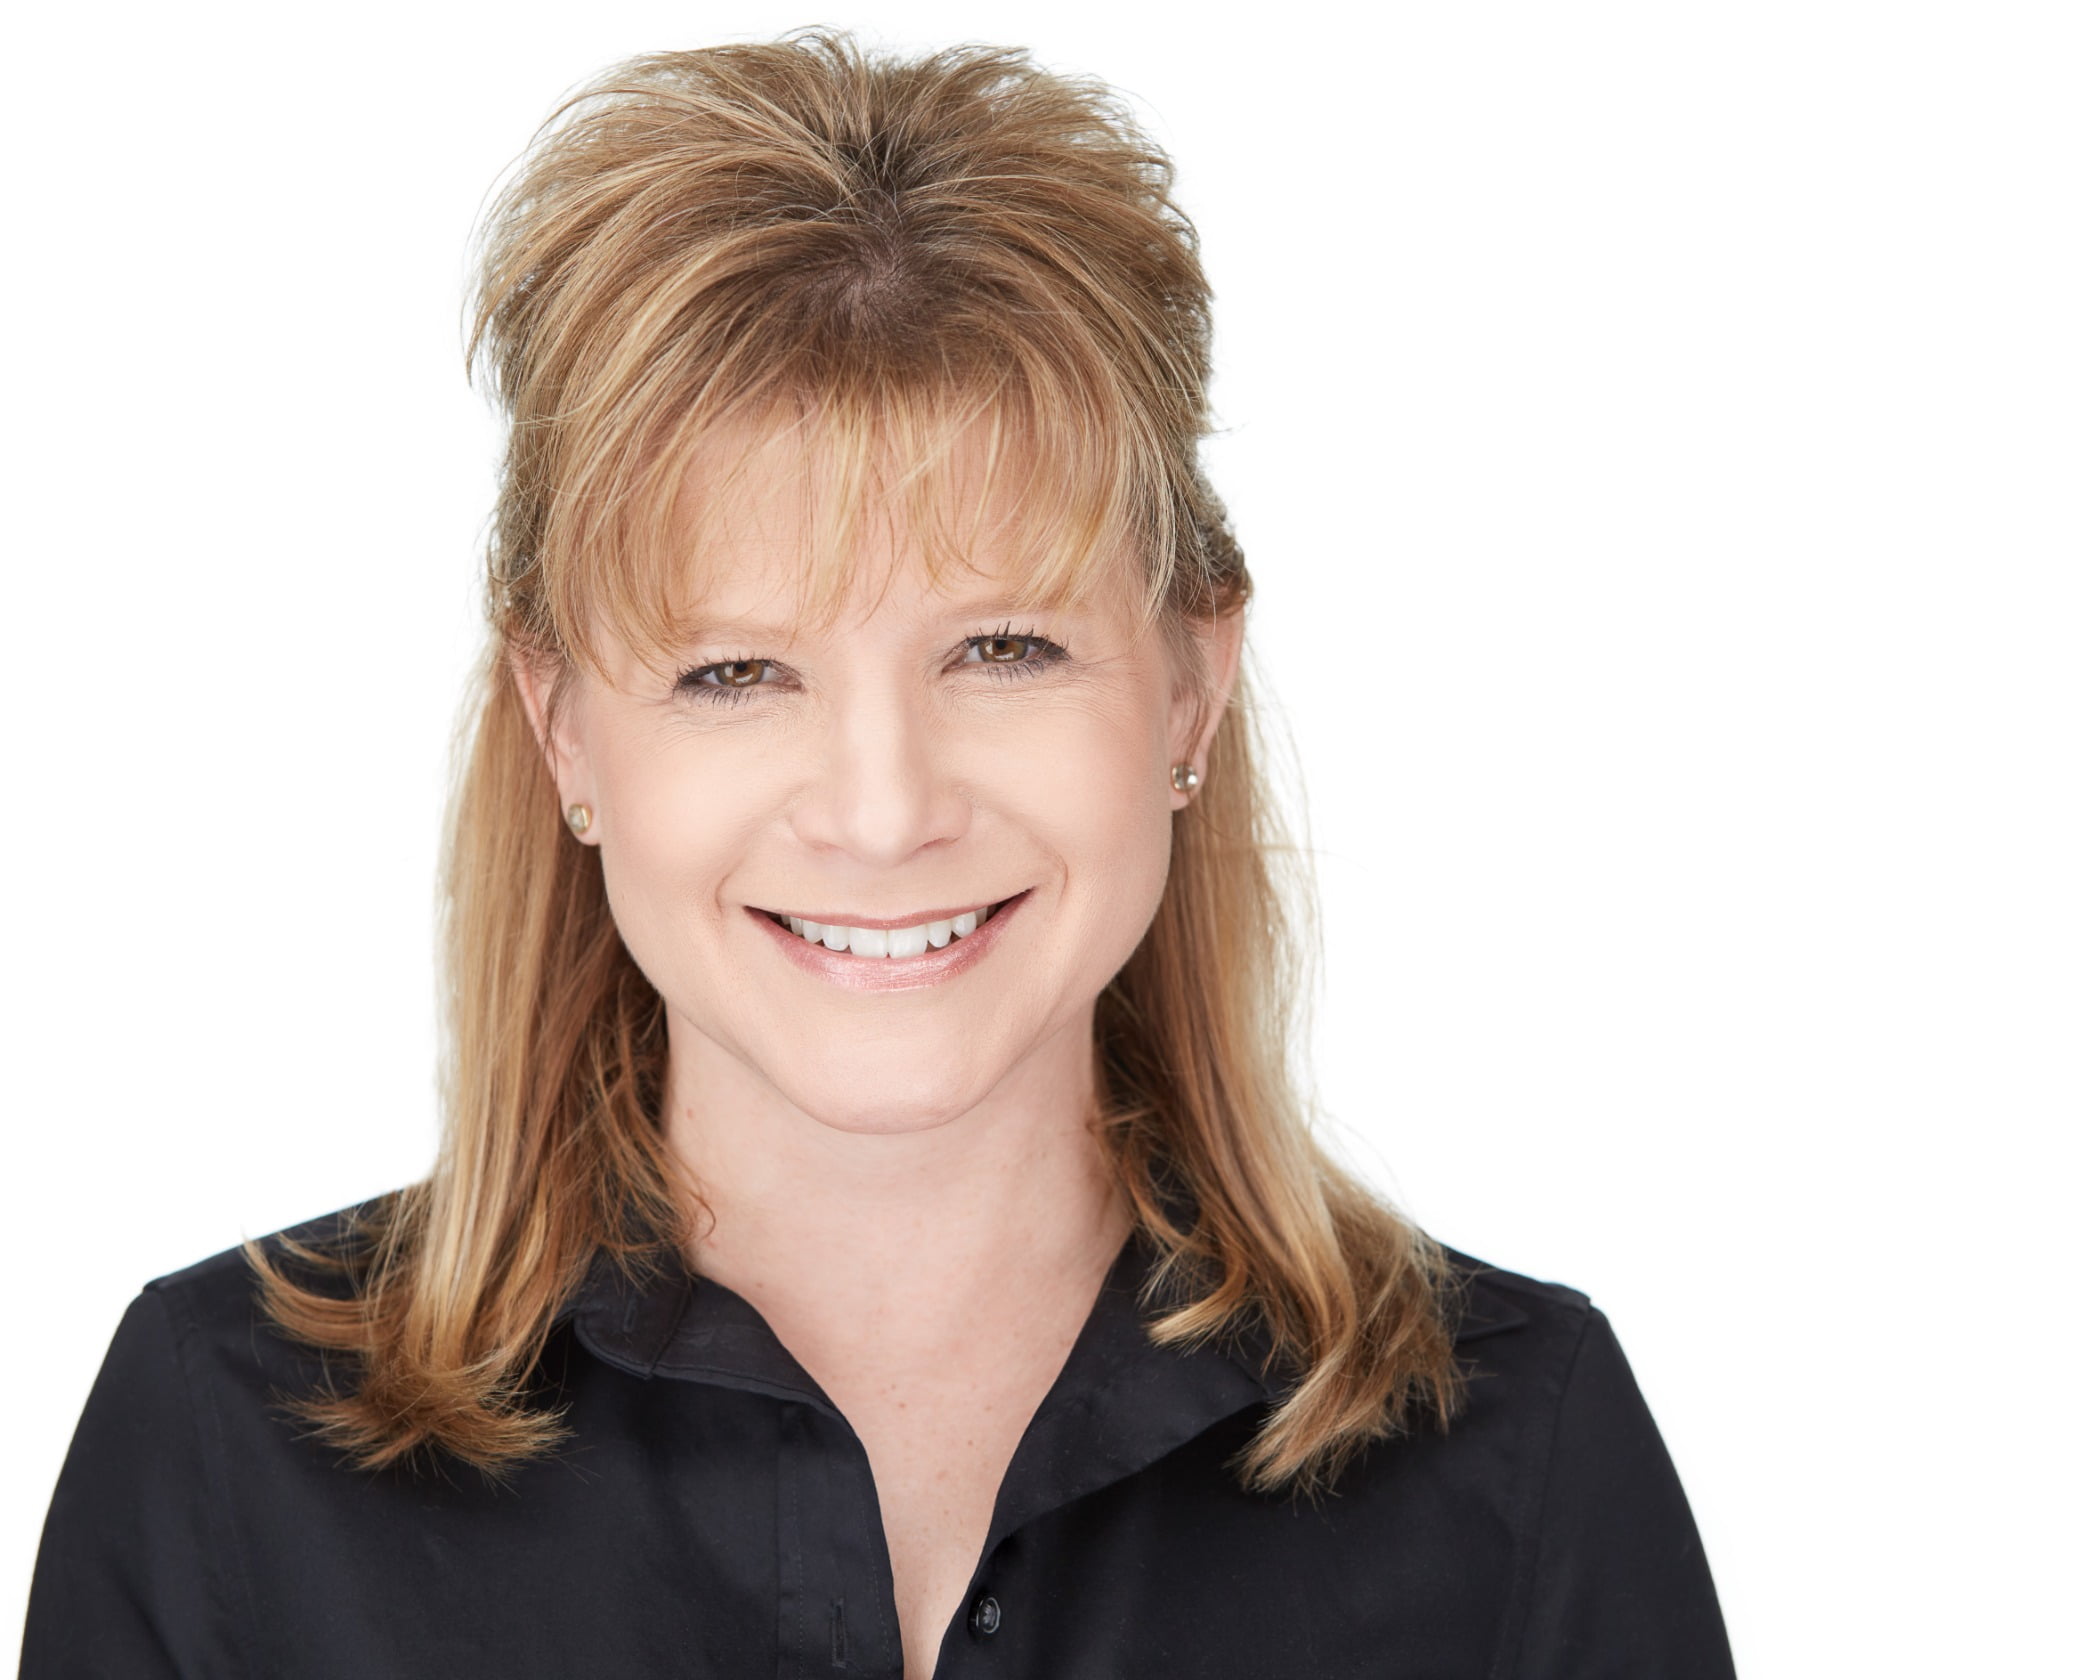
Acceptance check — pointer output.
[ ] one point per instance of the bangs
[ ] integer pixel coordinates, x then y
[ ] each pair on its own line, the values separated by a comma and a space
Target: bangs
955, 292
1045, 493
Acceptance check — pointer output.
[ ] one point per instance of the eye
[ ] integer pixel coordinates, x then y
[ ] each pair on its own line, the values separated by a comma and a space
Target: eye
1008, 653
726, 681
1013, 655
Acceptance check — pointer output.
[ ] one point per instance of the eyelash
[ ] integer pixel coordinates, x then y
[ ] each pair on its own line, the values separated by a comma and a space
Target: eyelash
1007, 670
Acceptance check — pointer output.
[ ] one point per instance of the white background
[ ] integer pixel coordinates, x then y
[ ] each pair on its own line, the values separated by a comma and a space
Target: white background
1664, 437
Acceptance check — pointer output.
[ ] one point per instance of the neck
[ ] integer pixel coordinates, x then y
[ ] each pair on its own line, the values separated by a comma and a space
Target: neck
910, 1233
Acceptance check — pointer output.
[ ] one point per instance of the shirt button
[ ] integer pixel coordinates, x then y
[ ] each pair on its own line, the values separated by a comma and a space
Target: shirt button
984, 1615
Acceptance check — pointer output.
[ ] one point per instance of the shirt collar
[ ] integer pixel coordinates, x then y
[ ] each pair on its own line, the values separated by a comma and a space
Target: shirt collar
677, 1323
674, 1322
1120, 1403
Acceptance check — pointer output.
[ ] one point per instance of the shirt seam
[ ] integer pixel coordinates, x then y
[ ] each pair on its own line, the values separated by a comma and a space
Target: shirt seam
223, 1561
877, 1545
1524, 1585
791, 1492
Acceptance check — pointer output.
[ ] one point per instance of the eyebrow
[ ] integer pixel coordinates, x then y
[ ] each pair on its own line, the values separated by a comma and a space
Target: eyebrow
709, 629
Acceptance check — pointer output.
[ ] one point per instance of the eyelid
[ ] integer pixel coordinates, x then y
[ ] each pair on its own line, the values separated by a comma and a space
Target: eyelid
1004, 635
695, 677
693, 684
693, 674
1053, 651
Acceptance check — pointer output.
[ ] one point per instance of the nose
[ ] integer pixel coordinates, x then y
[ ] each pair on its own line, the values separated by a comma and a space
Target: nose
883, 786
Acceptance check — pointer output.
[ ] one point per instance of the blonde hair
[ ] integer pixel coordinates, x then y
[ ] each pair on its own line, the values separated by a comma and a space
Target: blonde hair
874, 252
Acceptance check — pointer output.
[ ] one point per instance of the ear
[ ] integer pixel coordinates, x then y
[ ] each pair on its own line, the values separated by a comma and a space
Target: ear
1197, 718
552, 715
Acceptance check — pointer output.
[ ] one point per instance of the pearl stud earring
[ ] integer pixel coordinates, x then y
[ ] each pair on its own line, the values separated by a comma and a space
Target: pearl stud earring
579, 817
1185, 778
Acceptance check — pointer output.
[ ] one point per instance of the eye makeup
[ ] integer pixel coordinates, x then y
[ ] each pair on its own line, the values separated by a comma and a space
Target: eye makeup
732, 681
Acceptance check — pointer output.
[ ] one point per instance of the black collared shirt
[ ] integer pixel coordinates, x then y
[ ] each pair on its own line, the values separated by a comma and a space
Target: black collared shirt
714, 1515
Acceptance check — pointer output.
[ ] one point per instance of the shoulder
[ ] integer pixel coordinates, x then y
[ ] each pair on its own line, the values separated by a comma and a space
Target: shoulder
143, 1557
1514, 1327
1491, 1300
216, 1301
1611, 1575
228, 1270
1538, 1358
1546, 1377
198, 1356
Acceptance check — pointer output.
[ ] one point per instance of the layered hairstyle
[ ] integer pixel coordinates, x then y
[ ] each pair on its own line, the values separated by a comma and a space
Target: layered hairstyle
873, 253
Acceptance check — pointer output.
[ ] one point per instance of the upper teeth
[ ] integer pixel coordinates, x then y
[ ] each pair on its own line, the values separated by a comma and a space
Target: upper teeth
889, 942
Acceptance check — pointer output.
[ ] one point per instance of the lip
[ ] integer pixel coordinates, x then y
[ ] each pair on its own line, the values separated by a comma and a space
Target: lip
892, 974
837, 918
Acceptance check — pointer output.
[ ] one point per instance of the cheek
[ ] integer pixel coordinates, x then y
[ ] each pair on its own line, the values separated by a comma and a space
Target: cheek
1106, 745
1098, 796
670, 836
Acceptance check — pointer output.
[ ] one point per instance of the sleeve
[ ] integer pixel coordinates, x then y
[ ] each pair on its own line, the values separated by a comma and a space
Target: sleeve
124, 1583
1620, 1587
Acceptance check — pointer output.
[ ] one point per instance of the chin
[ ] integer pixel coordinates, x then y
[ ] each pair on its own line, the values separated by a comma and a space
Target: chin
874, 1098
881, 1115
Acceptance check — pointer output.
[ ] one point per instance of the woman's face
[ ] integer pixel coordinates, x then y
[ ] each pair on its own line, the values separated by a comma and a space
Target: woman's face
928, 753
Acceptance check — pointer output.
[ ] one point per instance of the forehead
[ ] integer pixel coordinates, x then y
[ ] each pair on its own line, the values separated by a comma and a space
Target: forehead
789, 523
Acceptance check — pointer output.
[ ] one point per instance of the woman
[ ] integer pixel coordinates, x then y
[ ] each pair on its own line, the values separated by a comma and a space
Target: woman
875, 1232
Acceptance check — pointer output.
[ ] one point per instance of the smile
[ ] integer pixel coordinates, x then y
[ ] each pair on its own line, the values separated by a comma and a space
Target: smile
919, 953
910, 941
